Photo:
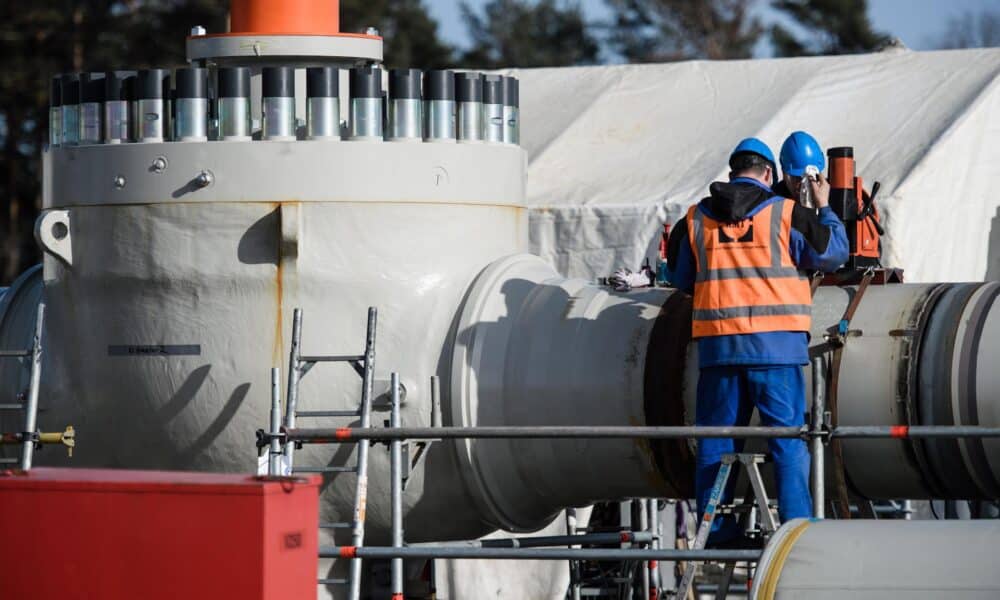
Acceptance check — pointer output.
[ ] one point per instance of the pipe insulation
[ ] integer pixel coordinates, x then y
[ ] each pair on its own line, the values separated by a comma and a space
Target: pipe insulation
869, 560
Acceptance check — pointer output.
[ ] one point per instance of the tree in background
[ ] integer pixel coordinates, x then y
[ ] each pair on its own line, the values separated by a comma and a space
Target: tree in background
668, 30
828, 27
410, 34
520, 33
41, 38
972, 30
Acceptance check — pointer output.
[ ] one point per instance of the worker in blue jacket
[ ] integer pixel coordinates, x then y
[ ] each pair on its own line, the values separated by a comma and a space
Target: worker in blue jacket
742, 252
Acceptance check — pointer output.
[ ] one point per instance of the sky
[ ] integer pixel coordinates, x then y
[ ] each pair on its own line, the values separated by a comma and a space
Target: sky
916, 22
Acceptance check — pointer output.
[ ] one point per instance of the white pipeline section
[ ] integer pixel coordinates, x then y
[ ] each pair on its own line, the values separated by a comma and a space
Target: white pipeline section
179, 298
533, 348
880, 560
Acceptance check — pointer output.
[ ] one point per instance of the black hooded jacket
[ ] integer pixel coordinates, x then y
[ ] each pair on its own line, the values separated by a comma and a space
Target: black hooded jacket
733, 201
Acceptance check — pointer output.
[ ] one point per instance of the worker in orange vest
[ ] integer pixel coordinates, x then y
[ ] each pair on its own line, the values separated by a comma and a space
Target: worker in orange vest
742, 253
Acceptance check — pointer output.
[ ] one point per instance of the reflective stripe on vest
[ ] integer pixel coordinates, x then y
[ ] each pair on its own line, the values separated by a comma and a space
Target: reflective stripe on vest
745, 279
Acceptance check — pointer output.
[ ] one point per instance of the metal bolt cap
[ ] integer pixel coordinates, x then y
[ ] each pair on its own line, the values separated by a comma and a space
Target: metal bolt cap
204, 179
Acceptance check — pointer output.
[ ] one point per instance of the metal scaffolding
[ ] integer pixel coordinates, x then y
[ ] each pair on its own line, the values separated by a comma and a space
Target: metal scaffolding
280, 460
29, 437
818, 432
349, 434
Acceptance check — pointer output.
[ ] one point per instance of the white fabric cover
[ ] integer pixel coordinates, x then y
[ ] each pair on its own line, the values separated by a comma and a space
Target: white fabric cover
614, 151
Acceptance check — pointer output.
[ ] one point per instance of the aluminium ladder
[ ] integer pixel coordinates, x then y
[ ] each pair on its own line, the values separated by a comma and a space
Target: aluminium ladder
28, 437
768, 524
299, 365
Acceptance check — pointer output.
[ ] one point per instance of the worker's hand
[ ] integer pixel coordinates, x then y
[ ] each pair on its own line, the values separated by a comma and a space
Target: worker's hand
820, 191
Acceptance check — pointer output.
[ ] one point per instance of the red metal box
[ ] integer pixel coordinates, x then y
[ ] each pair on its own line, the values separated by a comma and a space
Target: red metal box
115, 534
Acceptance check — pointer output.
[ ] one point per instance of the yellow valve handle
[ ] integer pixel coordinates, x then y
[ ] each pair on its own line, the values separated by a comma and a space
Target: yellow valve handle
66, 438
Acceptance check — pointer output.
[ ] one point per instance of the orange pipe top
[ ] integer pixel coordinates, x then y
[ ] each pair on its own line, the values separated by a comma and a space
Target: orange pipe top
289, 17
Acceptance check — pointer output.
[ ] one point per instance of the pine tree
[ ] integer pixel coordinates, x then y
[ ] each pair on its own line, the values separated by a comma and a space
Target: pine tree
519, 33
42, 38
828, 26
668, 30
410, 33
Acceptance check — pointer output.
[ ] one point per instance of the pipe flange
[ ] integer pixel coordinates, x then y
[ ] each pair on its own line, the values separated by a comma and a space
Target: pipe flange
245, 49
485, 322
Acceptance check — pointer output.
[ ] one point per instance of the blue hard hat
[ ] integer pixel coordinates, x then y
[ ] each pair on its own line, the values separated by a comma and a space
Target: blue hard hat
799, 151
754, 146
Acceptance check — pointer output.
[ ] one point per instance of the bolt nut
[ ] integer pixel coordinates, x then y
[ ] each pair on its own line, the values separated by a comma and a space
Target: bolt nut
204, 179
373, 31
198, 30
159, 164
119, 182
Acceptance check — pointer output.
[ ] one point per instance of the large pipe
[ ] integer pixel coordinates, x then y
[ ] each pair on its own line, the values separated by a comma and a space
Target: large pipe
537, 349
869, 560
284, 17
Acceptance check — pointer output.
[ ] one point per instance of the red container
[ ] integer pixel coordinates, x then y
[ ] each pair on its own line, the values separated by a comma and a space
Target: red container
110, 534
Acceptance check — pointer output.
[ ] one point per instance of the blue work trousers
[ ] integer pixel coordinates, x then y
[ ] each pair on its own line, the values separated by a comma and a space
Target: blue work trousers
727, 397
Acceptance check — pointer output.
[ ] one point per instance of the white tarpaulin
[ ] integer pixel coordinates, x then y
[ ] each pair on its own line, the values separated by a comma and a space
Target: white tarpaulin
616, 151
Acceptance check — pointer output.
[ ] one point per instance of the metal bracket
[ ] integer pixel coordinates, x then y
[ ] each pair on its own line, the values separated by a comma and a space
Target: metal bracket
359, 368
39, 438
52, 232
304, 367
264, 438
405, 475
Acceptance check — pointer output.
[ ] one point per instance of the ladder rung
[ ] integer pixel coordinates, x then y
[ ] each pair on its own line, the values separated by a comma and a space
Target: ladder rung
336, 525
11, 406
333, 581
335, 358
14, 353
323, 469
327, 413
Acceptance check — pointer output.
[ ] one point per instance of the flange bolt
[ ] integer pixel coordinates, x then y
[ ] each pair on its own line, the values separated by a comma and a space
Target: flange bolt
204, 179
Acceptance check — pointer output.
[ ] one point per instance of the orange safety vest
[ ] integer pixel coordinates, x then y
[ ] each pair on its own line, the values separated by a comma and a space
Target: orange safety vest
745, 280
